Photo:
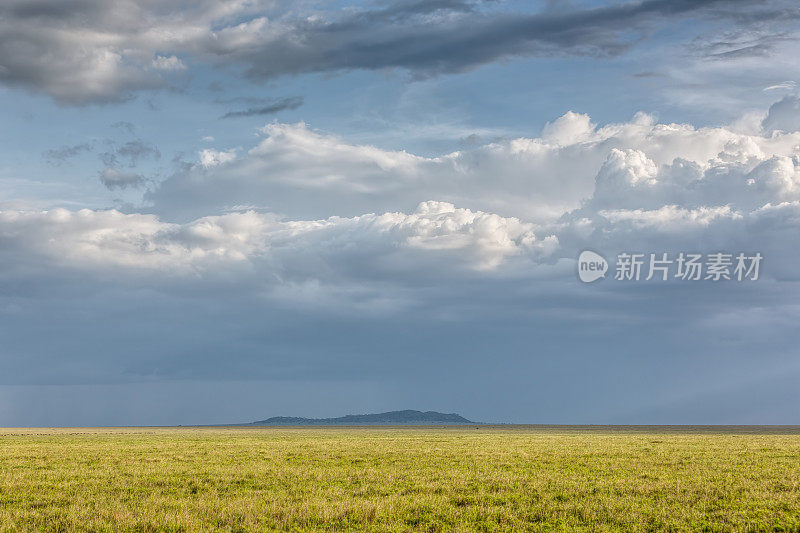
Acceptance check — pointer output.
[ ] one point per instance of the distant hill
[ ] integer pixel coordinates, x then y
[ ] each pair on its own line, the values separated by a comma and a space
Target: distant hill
407, 417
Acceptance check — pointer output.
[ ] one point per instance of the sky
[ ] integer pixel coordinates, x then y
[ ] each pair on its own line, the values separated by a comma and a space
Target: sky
220, 211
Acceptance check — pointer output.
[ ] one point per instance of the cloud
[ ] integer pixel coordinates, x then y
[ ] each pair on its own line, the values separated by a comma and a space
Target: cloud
130, 153
281, 250
268, 108
117, 179
648, 74
786, 85
737, 44
169, 63
299, 172
633, 185
90, 51
637, 184
57, 156
211, 158
783, 115
571, 128
441, 37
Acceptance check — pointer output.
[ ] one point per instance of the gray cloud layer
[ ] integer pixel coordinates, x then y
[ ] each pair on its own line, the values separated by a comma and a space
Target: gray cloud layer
86, 51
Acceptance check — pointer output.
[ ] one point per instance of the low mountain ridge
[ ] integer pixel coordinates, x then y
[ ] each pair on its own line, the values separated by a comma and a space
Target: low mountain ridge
406, 417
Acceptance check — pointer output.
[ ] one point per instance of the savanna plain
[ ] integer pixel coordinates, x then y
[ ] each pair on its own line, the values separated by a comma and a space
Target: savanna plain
473, 478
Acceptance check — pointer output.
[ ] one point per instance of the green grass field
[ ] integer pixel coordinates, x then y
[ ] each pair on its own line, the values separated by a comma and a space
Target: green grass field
398, 479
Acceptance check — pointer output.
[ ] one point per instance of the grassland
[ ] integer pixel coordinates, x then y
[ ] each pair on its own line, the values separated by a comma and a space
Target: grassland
397, 479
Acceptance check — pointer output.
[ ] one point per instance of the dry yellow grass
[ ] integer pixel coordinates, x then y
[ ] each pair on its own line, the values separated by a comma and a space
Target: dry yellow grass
396, 479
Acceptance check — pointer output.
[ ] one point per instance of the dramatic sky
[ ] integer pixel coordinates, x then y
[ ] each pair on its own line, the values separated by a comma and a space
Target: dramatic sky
219, 211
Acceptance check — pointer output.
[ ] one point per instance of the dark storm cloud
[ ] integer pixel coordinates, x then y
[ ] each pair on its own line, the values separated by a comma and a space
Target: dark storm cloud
268, 107
87, 51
